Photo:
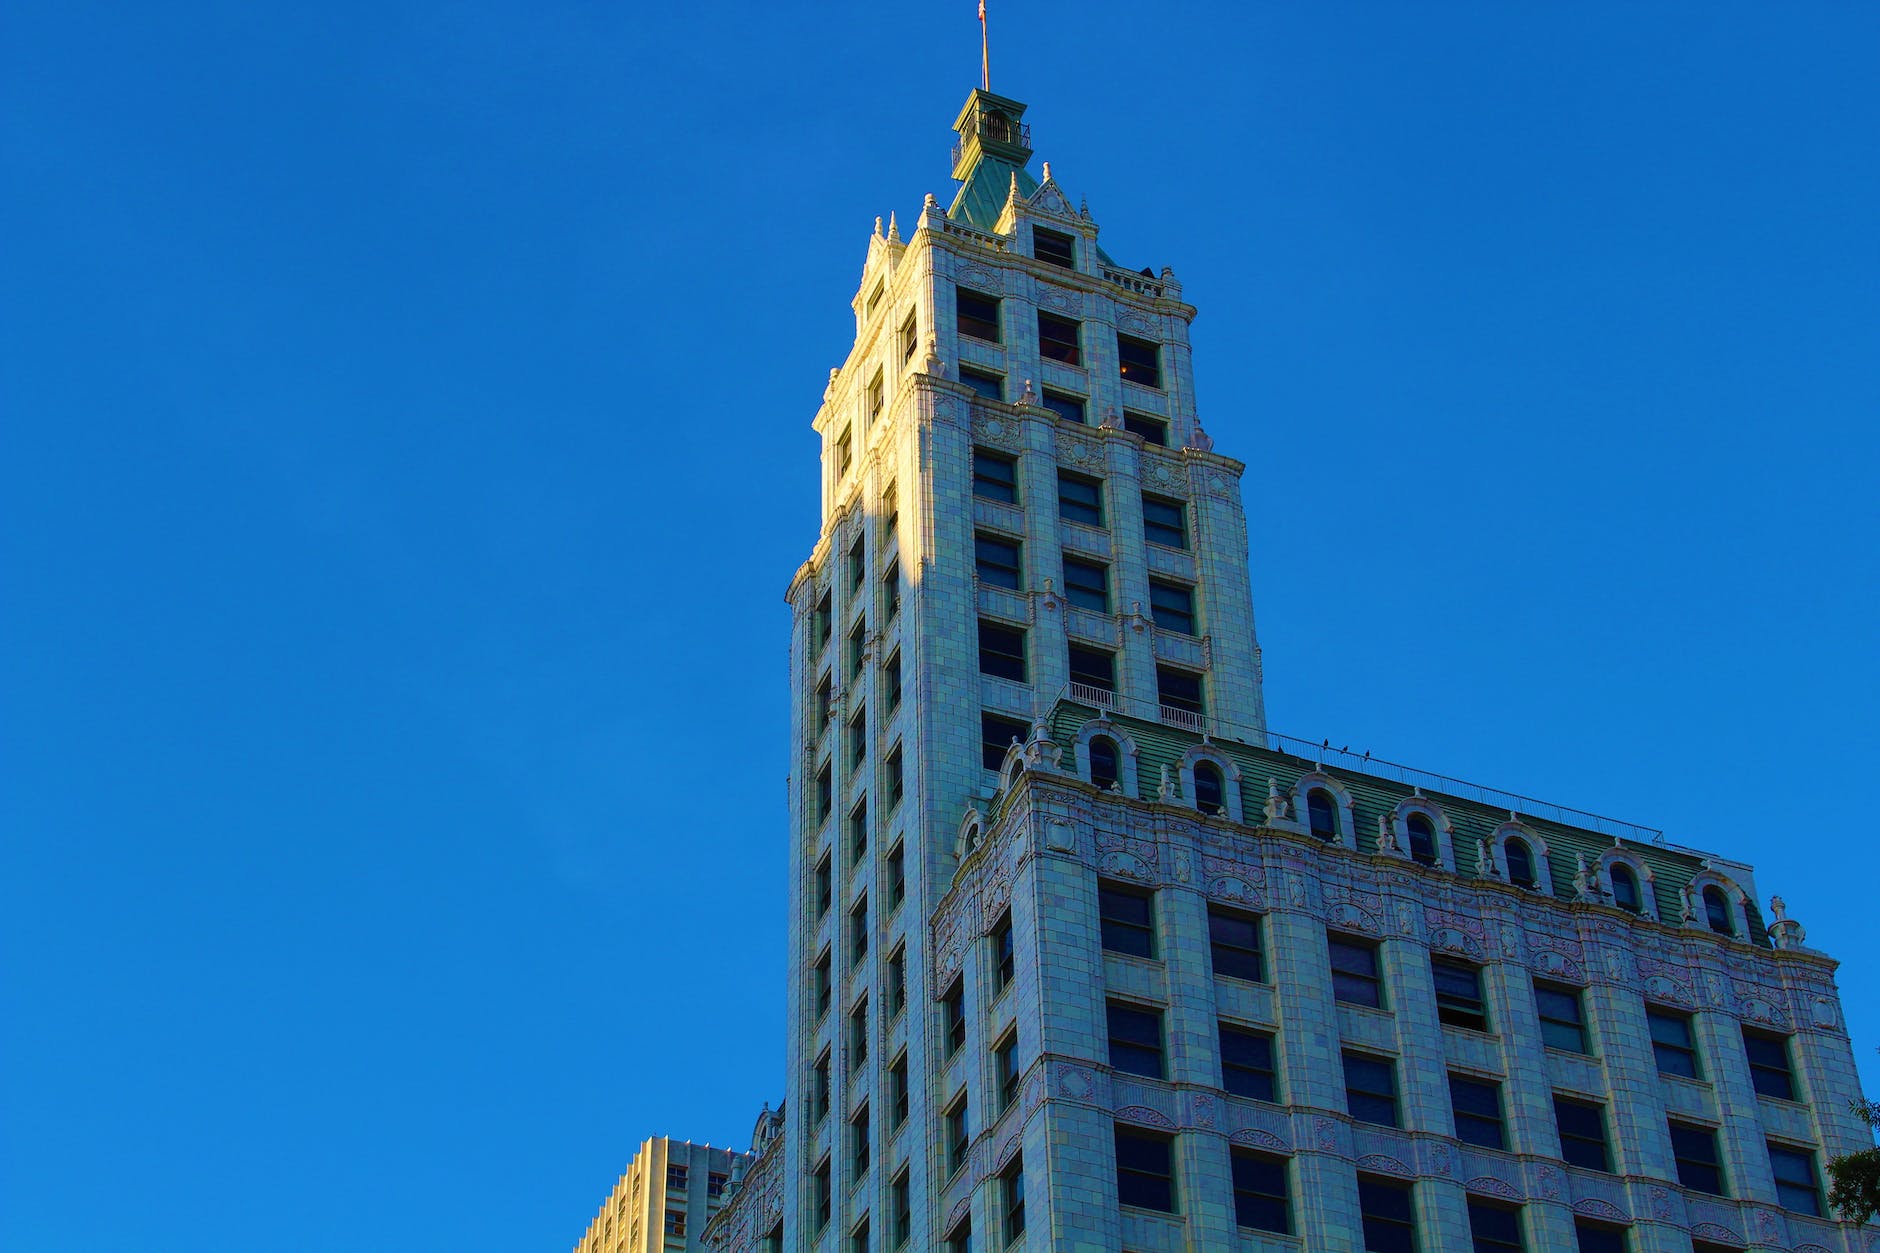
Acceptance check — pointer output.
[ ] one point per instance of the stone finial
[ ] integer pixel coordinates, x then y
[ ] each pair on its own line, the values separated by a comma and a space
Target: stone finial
877, 224
1167, 791
1779, 909
1028, 396
1047, 171
1485, 860
1784, 932
1386, 837
1011, 195
1690, 905
931, 202
894, 229
1275, 803
1112, 421
1584, 882
1083, 210
1200, 440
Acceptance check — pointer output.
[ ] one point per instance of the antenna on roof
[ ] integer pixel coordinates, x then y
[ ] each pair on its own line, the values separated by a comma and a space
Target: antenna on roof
985, 52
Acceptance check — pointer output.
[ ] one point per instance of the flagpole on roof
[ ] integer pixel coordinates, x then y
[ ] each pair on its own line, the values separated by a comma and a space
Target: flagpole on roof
985, 51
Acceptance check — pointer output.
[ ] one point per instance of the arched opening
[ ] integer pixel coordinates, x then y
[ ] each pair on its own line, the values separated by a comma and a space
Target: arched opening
1422, 839
1625, 893
1322, 814
1520, 861
1210, 792
1717, 911
1103, 771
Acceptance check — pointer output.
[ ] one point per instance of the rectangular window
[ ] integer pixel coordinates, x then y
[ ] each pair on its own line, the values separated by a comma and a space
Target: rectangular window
820, 1194
1592, 1237
858, 830
1004, 956
983, 382
858, 932
896, 782
890, 513
1164, 522
1057, 339
995, 560
1126, 917
675, 1222
1476, 1106
1087, 584
1494, 1228
1172, 605
959, 1140
1261, 1197
953, 1017
1005, 1069
1135, 1039
996, 734
1068, 407
1001, 651
897, 982
1247, 1063
1769, 1068
1012, 1198
910, 337
858, 1036
891, 681
858, 1238
1140, 360
858, 564
877, 396
1234, 944
859, 1143
1390, 1224
1694, 1149
874, 300
715, 1184
891, 592
1371, 1088
1093, 667
1707, 1246
823, 623
1563, 1025
1080, 499
978, 314
858, 648
678, 1176
824, 704
901, 1202
1058, 249
821, 985
897, 1093
1459, 1001
960, 1239
1796, 1185
1672, 1045
995, 476
825, 794
825, 886
1152, 430
1582, 1126
1179, 689
1355, 978
845, 451
1145, 1169
858, 738
819, 1090
897, 876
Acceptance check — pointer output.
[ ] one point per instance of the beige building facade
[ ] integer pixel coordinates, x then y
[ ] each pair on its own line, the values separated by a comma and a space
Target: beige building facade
669, 1192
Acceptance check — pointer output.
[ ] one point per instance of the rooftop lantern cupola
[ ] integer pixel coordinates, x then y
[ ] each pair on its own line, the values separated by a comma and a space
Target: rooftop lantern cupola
994, 144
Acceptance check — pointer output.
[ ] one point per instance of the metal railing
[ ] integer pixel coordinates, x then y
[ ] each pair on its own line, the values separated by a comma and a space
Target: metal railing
1087, 694
1141, 284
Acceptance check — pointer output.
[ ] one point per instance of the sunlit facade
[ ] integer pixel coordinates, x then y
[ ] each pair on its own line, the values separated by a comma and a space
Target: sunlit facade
1083, 957
669, 1192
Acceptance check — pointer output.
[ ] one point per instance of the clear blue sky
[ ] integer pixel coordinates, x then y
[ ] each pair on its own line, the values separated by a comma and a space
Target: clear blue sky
406, 449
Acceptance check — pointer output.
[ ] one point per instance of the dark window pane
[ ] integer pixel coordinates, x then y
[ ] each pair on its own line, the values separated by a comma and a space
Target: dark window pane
1422, 839
1057, 339
1210, 790
1135, 1040
1371, 1089
1145, 1170
996, 560
1172, 606
1140, 360
1247, 1063
1126, 921
995, 738
1494, 1228
1671, 1043
995, 477
1322, 814
1261, 1192
1459, 993
1389, 1220
1625, 892
1598, 1237
1520, 863
1795, 1179
1070, 408
1717, 911
1769, 1063
1582, 1128
1561, 1024
1001, 651
1234, 944
1093, 667
1080, 499
1354, 972
1152, 430
1103, 762
1476, 1105
991, 386
1695, 1151
1179, 689
1053, 247
1164, 522
978, 314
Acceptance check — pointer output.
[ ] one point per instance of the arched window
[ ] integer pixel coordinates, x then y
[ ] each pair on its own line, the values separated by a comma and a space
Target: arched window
1625, 892
1322, 814
1103, 762
1210, 794
1422, 839
1717, 911
1520, 861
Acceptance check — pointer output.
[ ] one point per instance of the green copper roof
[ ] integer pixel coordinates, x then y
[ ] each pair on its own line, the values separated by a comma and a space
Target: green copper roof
988, 183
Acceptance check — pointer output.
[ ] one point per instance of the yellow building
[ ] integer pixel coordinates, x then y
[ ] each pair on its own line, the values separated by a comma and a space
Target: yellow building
663, 1201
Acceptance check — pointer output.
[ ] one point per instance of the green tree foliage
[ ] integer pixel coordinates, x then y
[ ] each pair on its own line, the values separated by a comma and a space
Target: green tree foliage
1854, 1189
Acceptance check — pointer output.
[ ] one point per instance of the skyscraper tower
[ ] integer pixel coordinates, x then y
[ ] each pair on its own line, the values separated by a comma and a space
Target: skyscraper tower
1084, 957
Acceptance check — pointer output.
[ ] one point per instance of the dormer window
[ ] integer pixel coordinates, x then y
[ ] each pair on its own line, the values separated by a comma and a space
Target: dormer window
1625, 893
1056, 248
1210, 791
1422, 839
1103, 762
1717, 910
1520, 862
1321, 814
